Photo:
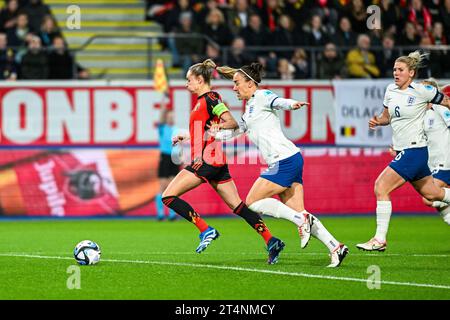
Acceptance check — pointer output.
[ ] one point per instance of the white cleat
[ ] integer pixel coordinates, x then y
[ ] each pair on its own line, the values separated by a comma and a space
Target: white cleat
304, 231
372, 245
338, 255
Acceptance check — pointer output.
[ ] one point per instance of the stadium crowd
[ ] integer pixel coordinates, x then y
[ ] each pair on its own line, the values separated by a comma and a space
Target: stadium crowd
300, 39
32, 45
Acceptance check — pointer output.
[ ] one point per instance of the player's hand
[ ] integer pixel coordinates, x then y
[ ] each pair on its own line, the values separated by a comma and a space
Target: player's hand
213, 128
178, 138
299, 104
373, 123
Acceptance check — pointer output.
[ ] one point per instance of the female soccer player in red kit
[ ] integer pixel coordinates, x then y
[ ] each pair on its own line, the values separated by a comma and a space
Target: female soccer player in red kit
209, 163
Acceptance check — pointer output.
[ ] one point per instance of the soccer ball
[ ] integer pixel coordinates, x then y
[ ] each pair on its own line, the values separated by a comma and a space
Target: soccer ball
87, 252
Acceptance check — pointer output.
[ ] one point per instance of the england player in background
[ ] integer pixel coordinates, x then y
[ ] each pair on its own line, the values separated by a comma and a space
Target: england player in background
405, 104
437, 129
284, 175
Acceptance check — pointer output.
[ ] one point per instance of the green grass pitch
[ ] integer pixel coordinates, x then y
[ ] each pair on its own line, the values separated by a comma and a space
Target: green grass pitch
147, 259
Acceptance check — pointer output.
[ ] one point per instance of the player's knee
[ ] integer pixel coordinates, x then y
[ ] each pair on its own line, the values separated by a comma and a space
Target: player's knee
380, 190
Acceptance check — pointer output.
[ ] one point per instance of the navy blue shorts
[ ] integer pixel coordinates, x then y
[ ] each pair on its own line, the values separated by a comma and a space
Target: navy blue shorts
443, 175
286, 171
411, 164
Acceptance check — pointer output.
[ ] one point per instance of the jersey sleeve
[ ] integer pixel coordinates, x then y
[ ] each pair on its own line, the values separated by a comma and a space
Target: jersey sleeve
431, 94
444, 113
269, 98
215, 104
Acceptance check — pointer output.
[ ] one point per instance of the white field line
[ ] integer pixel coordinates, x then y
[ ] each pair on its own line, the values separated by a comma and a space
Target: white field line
324, 253
231, 268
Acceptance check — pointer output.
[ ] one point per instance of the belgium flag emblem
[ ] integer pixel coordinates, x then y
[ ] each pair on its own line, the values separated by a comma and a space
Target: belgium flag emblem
348, 131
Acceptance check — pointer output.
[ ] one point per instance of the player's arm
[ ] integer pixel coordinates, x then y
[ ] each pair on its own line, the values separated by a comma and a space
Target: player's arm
382, 120
227, 134
286, 104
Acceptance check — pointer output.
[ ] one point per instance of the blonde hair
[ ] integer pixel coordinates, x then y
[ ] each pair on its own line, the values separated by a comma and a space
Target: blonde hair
203, 69
414, 60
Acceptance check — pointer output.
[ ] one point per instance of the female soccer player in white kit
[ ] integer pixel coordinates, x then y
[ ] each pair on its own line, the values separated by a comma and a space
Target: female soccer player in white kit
405, 104
437, 129
284, 175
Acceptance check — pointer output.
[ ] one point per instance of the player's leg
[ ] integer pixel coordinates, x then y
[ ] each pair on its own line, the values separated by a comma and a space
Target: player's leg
388, 181
163, 183
228, 192
432, 190
294, 198
259, 199
182, 183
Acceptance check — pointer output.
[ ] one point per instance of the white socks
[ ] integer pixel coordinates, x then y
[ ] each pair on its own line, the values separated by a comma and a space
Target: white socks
322, 234
445, 214
273, 207
446, 196
384, 211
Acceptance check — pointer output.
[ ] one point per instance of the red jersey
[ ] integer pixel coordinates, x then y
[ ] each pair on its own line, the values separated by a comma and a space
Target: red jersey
207, 110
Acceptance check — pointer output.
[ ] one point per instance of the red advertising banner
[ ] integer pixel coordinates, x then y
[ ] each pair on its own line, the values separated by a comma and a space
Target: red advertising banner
104, 114
124, 182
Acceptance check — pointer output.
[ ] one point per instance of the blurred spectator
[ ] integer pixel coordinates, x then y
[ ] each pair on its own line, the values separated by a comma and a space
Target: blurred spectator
345, 35
285, 69
189, 49
36, 11
420, 16
390, 17
328, 15
8, 66
16, 35
285, 37
271, 12
330, 64
49, 30
255, 34
444, 15
437, 34
34, 63
238, 55
172, 21
216, 28
207, 7
298, 10
8, 15
238, 16
387, 56
61, 63
300, 62
361, 63
317, 36
357, 15
410, 36
439, 59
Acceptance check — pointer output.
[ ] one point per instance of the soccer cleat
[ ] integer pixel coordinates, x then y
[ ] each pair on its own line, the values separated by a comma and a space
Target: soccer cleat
338, 255
206, 237
274, 247
372, 245
304, 231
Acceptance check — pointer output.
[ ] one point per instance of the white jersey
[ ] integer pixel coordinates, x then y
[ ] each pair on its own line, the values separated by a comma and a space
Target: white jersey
263, 127
407, 110
437, 129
